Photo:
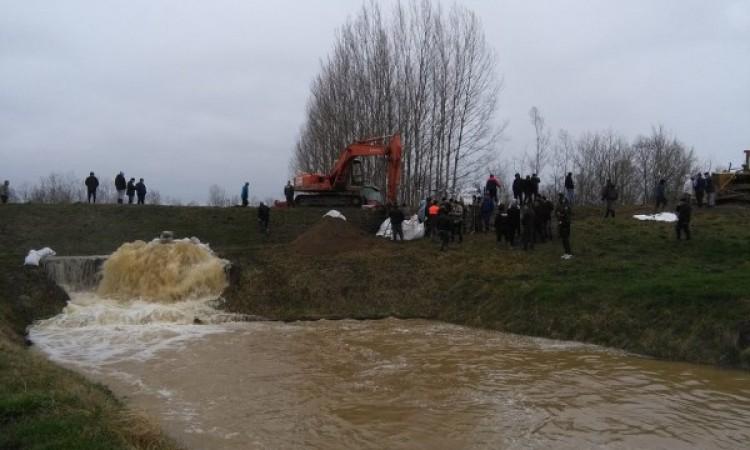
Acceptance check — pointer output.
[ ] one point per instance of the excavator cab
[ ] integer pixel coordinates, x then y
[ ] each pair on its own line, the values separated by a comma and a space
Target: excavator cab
357, 174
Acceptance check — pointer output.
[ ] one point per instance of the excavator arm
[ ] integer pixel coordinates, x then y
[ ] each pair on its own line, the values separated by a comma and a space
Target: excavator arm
371, 147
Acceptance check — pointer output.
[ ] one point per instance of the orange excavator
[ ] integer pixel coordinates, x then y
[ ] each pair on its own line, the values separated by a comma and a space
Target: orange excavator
345, 185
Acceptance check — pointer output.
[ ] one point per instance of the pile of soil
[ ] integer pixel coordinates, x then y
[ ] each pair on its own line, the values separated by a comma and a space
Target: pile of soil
331, 236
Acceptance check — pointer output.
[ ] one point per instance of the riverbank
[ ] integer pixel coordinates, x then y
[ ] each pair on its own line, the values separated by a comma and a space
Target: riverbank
630, 286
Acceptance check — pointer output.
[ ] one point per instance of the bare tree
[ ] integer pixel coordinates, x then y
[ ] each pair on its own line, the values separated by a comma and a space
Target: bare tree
426, 73
661, 156
538, 160
217, 196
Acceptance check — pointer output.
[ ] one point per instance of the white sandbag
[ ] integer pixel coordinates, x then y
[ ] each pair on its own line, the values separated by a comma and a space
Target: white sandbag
34, 256
661, 217
334, 214
412, 229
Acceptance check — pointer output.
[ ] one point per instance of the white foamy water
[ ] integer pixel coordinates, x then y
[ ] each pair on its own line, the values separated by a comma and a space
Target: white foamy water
93, 331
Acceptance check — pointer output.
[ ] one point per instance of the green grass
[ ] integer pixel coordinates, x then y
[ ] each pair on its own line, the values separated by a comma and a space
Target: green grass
631, 286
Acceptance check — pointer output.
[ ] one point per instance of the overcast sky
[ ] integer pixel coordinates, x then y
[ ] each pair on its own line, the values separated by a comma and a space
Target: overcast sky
190, 93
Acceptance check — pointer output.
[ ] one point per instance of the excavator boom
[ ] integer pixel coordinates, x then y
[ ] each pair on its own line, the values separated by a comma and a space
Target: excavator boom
334, 187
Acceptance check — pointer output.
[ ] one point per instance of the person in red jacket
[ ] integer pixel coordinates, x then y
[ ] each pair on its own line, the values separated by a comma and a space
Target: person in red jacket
492, 186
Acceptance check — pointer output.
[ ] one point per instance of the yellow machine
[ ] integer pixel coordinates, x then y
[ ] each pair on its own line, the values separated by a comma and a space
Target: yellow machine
733, 186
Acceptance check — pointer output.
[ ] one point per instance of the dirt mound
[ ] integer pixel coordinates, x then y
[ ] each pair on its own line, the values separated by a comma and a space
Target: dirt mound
330, 236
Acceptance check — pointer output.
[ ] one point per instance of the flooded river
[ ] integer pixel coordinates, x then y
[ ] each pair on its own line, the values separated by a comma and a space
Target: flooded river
391, 384
213, 382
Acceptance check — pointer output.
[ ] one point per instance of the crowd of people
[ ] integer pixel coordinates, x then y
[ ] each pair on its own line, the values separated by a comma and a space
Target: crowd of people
130, 188
525, 222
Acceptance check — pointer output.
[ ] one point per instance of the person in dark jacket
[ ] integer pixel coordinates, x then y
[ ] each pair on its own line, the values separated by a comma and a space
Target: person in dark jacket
289, 194
528, 190
527, 225
609, 195
539, 220
661, 195
92, 183
514, 218
684, 212
563, 216
535, 185
457, 217
120, 186
397, 219
710, 190
130, 190
570, 188
517, 188
264, 216
5, 192
444, 227
503, 228
140, 190
245, 194
549, 209
487, 208
492, 186
700, 189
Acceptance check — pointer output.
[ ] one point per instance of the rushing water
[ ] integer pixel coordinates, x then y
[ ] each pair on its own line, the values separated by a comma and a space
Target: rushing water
391, 384
151, 336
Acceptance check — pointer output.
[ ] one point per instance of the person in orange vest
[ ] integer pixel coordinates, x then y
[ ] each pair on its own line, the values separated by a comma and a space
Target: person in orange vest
432, 214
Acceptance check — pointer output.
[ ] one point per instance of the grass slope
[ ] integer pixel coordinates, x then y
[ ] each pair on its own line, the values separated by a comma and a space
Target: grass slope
631, 285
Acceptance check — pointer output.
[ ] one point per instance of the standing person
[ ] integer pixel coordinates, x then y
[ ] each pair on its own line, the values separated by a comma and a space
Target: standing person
397, 219
563, 215
245, 193
503, 228
570, 188
140, 190
432, 217
527, 223
549, 208
486, 210
492, 186
609, 195
120, 187
130, 190
424, 204
687, 189
661, 195
539, 218
700, 189
264, 216
289, 194
528, 190
476, 214
710, 190
517, 188
683, 218
92, 183
535, 185
5, 191
457, 218
444, 227
514, 219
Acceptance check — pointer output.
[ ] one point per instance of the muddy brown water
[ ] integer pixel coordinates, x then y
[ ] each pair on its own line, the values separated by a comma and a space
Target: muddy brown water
399, 384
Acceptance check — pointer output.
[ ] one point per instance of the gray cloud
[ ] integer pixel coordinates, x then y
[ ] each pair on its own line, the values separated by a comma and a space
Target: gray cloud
187, 94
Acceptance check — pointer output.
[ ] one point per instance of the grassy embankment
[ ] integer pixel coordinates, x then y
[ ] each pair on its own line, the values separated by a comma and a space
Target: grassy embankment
631, 286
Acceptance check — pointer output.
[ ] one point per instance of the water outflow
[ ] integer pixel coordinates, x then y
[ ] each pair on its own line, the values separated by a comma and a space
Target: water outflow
163, 272
146, 285
75, 273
